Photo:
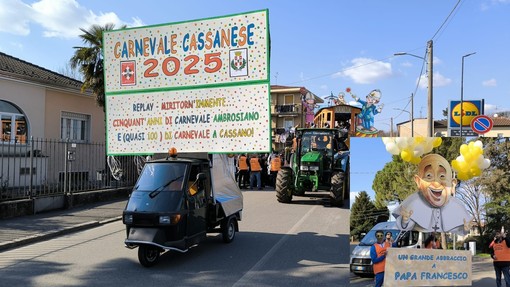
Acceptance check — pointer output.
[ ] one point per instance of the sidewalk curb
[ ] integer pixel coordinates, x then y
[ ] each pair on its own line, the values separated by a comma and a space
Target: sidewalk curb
54, 233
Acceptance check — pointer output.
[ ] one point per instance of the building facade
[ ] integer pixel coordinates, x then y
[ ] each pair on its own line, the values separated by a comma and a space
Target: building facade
501, 128
289, 109
53, 134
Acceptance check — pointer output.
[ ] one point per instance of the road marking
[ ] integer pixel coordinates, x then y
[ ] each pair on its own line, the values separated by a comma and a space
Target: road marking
246, 280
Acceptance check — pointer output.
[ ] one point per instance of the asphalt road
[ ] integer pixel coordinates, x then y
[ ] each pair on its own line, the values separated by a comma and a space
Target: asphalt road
299, 244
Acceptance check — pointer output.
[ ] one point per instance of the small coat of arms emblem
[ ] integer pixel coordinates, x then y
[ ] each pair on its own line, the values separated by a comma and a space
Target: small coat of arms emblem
238, 62
128, 73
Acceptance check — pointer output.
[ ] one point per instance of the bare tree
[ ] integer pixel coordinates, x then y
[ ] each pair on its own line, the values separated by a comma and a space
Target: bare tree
472, 194
70, 72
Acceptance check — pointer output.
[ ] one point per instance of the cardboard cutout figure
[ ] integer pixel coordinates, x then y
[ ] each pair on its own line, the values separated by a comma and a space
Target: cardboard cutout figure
433, 208
369, 110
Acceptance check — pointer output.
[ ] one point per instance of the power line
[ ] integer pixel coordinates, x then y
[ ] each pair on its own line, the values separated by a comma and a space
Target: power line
446, 20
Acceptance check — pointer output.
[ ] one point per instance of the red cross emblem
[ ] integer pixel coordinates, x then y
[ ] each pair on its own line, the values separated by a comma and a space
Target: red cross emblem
127, 73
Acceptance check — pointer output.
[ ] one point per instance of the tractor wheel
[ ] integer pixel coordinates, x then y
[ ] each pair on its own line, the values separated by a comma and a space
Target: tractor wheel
284, 186
337, 189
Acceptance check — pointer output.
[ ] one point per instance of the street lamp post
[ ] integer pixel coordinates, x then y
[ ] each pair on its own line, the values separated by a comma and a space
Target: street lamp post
430, 72
462, 91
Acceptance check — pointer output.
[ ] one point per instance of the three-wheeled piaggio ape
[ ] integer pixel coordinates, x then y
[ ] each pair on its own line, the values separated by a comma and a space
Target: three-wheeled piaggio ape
177, 201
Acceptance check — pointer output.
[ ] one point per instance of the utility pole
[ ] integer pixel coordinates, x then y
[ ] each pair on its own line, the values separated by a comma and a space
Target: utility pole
412, 114
391, 127
430, 95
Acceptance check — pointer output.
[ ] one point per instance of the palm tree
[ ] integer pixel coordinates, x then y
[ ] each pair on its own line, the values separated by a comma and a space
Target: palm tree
89, 60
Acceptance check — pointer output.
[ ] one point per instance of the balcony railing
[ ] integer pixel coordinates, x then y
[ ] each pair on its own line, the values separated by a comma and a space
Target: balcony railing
282, 109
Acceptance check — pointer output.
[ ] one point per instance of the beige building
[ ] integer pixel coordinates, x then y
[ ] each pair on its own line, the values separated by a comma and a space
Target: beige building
36, 102
46, 115
501, 128
288, 111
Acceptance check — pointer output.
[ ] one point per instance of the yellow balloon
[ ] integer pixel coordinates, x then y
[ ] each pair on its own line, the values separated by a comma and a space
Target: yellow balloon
462, 176
477, 150
437, 142
455, 165
462, 166
468, 157
464, 149
475, 171
406, 155
415, 160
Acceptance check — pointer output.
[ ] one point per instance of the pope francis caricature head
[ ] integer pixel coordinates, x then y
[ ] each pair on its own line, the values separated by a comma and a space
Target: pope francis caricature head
435, 180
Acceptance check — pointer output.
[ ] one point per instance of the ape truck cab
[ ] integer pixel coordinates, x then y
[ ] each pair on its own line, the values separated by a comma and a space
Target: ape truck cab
177, 200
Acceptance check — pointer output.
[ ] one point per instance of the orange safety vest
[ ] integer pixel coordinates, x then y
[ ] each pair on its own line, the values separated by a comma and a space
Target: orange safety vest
276, 163
379, 266
242, 163
254, 164
501, 251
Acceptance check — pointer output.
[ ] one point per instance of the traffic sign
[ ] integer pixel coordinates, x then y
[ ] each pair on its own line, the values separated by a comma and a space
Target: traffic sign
481, 124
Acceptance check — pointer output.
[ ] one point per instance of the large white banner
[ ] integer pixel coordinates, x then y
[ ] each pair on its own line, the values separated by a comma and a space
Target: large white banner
200, 85
190, 120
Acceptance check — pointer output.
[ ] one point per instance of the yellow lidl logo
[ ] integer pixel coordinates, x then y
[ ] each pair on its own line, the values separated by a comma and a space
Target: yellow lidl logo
469, 111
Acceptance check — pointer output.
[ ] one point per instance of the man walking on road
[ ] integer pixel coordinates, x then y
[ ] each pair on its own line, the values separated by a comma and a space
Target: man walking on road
500, 252
255, 169
378, 256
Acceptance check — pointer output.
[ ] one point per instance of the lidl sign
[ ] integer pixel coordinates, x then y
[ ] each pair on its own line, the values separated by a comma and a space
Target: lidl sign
470, 109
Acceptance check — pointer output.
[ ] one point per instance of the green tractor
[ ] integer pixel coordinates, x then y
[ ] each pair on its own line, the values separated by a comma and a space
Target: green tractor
319, 161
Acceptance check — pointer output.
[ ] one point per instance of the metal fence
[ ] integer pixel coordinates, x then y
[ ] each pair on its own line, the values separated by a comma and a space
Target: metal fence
51, 167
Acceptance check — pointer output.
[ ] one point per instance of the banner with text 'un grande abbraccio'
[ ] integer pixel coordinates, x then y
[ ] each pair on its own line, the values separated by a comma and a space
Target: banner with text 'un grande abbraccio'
199, 86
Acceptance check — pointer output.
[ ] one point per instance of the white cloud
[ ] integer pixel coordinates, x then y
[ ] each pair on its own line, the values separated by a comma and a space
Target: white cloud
439, 80
15, 17
366, 71
437, 61
488, 108
490, 83
407, 64
323, 87
355, 104
58, 18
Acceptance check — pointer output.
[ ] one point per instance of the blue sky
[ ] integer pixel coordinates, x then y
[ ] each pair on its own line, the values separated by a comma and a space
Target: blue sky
325, 46
368, 156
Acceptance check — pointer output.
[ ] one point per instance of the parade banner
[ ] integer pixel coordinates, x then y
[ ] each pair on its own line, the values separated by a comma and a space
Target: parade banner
212, 72
427, 267
189, 120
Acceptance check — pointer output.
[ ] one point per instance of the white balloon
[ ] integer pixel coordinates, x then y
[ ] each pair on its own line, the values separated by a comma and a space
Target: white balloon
401, 142
418, 150
486, 163
478, 144
392, 148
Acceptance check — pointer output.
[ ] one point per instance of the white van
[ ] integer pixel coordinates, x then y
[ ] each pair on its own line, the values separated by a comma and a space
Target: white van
361, 264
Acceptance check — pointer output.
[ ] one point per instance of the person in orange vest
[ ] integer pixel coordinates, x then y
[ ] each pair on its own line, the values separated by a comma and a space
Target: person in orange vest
244, 173
500, 253
255, 169
275, 166
378, 255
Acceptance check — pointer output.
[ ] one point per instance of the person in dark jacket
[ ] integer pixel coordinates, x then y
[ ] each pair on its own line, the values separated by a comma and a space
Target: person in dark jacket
500, 253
